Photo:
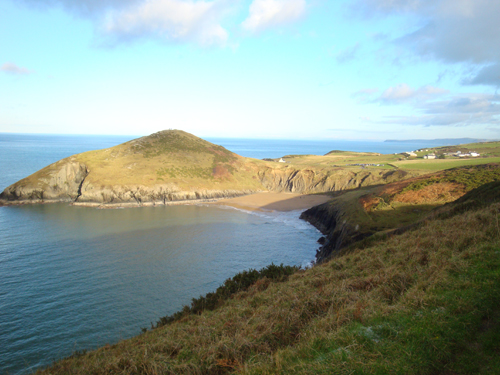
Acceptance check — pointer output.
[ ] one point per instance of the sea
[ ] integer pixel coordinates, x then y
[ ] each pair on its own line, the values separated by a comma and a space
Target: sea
77, 278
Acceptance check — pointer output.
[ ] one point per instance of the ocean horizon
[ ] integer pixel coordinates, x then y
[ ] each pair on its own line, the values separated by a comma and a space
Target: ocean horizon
30, 152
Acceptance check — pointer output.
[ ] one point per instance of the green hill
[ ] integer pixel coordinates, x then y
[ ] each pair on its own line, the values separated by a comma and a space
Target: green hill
166, 166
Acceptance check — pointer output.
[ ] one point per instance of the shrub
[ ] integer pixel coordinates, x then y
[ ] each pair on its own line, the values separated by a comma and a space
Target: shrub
238, 283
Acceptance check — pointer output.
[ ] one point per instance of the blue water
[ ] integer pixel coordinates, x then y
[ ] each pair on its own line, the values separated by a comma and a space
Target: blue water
275, 148
74, 278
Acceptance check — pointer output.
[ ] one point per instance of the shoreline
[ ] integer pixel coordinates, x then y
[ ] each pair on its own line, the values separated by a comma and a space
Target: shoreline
259, 201
269, 201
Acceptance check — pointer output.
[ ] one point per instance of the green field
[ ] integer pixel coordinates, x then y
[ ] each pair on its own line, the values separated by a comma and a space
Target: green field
490, 153
439, 164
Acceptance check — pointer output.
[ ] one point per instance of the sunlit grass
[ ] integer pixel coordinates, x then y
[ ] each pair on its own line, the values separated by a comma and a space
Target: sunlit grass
439, 164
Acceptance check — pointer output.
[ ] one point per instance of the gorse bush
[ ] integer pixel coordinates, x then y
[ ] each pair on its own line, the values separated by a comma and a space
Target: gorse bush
238, 283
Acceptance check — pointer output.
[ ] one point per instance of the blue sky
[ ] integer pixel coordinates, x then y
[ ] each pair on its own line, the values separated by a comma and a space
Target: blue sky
293, 69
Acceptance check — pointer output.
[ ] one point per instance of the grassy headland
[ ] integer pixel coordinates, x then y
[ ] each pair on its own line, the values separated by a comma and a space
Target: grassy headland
173, 165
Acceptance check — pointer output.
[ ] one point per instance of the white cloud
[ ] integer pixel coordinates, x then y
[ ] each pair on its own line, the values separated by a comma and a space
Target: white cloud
458, 110
434, 106
266, 14
452, 31
11, 68
177, 21
171, 20
404, 93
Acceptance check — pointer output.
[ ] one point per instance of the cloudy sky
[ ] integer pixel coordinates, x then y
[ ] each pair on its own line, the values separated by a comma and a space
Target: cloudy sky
294, 69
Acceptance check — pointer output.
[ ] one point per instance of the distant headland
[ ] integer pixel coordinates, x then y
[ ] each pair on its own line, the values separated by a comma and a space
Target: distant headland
442, 141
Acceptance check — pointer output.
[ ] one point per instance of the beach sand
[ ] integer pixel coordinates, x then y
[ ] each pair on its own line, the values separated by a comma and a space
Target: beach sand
274, 201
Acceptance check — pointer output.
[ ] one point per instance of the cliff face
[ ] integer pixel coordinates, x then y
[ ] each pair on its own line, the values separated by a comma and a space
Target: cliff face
332, 221
70, 180
310, 181
62, 181
158, 194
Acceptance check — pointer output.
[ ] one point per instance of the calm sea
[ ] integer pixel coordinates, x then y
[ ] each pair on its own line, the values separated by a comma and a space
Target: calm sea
75, 278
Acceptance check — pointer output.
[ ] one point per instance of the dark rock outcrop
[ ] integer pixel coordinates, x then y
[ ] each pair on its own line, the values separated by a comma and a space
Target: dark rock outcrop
339, 232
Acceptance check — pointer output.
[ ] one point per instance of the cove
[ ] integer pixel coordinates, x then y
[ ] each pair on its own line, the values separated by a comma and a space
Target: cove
76, 278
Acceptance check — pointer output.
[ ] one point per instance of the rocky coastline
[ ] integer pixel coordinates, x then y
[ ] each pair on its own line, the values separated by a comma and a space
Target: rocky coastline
338, 232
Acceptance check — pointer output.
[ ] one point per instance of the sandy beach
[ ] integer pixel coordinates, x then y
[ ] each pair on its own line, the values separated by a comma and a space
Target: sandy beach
268, 201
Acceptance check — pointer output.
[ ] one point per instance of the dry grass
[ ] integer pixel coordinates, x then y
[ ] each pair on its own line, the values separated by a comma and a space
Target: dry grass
172, 157
344, 316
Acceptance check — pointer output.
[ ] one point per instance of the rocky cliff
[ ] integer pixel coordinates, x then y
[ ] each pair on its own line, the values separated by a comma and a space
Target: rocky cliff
337, 227
163, 167
323, 180
61, 181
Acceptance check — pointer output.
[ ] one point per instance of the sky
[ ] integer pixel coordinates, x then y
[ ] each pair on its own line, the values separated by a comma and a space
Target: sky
276, 69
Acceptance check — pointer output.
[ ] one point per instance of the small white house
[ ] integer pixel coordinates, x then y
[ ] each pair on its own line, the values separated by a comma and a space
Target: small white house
281, 161
474, 154
410, 153
430, 156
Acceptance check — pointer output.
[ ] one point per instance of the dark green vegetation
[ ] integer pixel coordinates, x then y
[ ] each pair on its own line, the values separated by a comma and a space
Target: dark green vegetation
239, 283
421, 300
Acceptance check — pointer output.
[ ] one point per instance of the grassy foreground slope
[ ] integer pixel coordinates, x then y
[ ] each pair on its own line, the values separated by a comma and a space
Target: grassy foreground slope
425, 301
